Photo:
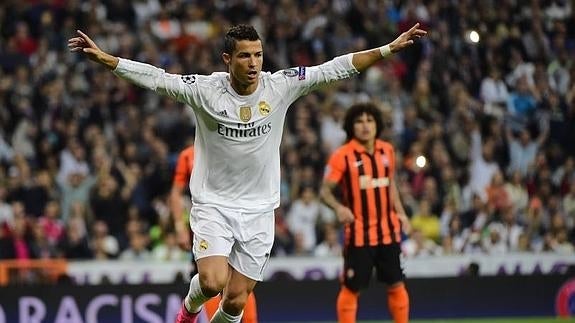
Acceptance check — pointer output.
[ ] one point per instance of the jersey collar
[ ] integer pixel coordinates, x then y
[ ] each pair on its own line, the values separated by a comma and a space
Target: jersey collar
357, 146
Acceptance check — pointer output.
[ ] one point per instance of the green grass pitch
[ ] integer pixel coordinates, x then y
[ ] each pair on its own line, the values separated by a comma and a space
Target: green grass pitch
484, 320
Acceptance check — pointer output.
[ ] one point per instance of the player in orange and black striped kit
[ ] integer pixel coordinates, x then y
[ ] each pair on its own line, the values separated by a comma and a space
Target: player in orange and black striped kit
180, 183
371, 210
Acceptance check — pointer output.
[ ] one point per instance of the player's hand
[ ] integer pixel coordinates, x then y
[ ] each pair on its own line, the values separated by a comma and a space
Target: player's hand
183, 238
84, 44
406, 226
407, 38
344, 215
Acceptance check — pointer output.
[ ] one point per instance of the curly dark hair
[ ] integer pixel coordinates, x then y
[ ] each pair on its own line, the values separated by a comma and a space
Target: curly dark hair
355, 111
236, 33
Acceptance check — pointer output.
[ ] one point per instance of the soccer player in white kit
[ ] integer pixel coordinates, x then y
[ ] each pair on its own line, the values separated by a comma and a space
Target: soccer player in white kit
235, 182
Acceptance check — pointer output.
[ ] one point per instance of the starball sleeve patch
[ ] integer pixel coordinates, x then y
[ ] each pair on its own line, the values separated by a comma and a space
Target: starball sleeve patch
189, 79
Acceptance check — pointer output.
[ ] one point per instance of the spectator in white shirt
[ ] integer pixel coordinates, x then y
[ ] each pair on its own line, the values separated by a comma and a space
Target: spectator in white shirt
493, 89
331, 245
522, 150
304, 215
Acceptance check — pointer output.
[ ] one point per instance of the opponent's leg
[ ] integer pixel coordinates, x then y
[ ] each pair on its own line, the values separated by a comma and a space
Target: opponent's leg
390, 272
347, 305
398, 303
234, 298
250, 310
211, 306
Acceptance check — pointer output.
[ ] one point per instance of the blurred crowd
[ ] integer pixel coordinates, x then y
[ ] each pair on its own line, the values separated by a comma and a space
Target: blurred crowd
481, 112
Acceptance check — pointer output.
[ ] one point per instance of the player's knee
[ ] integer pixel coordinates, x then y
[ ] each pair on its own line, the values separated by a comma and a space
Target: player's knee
212, 284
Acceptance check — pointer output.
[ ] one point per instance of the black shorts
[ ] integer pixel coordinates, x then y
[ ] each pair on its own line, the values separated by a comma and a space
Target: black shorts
359, 263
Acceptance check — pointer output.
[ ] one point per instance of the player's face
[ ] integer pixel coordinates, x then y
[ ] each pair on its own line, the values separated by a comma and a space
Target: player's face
245, 64
364, 128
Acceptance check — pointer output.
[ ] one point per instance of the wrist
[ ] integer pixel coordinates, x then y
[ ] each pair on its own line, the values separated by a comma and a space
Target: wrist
385, 50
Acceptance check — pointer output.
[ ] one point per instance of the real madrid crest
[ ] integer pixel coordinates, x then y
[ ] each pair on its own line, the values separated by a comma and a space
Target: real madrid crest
264, 108
203, 245
245, 114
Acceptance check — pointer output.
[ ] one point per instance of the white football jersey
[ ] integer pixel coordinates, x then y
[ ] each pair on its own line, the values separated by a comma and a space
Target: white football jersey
237, 156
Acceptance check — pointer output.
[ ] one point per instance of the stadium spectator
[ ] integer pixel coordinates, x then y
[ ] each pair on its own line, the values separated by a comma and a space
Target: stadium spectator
103, 244
307, 216
483, 165
426, 222
137, 249
522, 150
17, 242
330, 245
74, 242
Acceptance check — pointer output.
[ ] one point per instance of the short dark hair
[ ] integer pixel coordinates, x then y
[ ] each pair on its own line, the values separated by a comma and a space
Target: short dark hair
355, 111
236, 33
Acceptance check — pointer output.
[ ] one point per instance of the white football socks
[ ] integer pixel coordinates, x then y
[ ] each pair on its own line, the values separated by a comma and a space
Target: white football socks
222, 317
195, 298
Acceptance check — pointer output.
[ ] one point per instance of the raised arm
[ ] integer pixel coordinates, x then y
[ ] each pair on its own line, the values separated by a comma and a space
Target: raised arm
178, 87
86, 45
364, 59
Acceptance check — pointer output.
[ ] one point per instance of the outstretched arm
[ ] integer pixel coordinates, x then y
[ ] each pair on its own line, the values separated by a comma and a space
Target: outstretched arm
140, 74
86, 45
364, 59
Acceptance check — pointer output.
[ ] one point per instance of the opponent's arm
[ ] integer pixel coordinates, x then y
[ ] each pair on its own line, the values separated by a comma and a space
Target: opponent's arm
177, 209
364, 59
399, 210
342, 212
182, 175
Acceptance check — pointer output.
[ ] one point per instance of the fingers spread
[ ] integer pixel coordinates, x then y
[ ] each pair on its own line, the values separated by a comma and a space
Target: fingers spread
414, 27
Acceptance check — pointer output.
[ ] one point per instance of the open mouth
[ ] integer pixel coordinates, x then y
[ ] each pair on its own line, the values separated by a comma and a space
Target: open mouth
252, 74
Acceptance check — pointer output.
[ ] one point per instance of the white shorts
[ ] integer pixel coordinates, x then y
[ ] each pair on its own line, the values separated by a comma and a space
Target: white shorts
245, 238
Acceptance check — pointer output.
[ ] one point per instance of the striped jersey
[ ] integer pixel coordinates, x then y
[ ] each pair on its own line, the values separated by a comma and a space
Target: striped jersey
237, 161
365, 181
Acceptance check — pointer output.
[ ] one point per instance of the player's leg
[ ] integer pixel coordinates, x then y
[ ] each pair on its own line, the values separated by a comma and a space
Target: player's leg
254, 235
390, 271
398, 302
347, 305
213, 242
356, 275
234, 299
207, 283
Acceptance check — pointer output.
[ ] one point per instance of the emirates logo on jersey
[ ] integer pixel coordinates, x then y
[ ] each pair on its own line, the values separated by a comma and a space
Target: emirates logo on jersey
245, 114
